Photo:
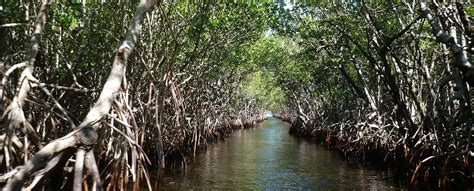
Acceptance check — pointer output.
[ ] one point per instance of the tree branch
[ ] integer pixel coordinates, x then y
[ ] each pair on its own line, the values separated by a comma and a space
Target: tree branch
442, 36
13, 116
85, 134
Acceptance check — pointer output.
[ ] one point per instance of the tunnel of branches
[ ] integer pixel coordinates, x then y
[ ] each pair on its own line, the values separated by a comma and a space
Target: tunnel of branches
101, 94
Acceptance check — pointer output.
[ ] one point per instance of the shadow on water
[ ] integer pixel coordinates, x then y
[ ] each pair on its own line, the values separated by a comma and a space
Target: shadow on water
267, 157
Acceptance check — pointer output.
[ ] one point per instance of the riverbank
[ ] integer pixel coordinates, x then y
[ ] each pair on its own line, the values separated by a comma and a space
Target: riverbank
399, 161
181, 156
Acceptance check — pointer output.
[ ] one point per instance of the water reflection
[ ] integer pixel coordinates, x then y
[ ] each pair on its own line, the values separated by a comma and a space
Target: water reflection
267, 158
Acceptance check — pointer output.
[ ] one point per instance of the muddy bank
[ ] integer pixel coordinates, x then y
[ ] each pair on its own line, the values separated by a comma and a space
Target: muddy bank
405, 166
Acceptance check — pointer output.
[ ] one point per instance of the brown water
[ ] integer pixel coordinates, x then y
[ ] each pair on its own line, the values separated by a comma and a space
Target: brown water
267, 157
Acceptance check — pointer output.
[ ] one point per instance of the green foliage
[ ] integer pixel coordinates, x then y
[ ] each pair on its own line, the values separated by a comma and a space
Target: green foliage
262, 86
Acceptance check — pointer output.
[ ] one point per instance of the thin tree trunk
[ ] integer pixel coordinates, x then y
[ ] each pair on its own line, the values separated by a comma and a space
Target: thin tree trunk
442, 36
86, 133
14, 116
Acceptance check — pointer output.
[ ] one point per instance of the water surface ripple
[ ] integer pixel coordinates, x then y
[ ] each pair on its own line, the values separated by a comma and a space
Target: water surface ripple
267, 157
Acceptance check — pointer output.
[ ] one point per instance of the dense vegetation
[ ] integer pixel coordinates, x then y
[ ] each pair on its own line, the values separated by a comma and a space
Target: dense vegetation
387, 81
180, 89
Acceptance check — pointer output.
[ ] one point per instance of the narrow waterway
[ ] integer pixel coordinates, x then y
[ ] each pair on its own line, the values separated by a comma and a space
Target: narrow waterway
267, 157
